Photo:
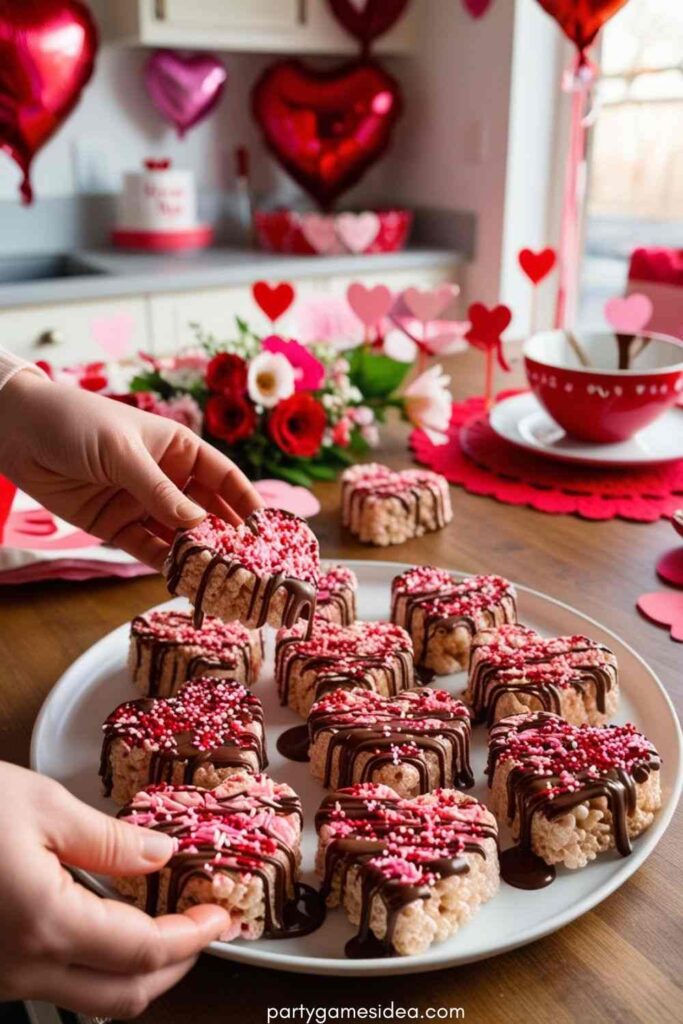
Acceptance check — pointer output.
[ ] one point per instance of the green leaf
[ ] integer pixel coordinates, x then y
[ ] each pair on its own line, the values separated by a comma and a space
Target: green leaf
292, 474
376, 375
319, 471
340, 455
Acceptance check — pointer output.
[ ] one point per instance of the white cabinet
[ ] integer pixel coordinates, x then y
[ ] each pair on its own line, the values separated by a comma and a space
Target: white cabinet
256, 26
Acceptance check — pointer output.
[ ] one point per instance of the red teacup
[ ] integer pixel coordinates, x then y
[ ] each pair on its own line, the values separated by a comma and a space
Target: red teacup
599, 402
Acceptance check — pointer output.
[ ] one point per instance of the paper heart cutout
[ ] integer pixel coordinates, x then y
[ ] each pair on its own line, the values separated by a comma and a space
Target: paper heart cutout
537, 265
664, 608
477, 8
274, 300
670, 567
184, 87
629, 315
426, 306
319, 232
113, 334
369, 304
357, 231
279, 494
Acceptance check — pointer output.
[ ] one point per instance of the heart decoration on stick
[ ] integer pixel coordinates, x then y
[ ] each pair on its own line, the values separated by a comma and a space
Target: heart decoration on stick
326, 128
629, 315
537, 265
370, 305
47, 55
366, 20
486, 328
427, 306
184, 87
273, 300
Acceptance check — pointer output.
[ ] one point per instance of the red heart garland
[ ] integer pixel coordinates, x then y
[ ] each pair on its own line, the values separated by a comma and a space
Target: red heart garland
47, 55
370, 21
274, 300
486, 327
326, 127
537, 265
581, 20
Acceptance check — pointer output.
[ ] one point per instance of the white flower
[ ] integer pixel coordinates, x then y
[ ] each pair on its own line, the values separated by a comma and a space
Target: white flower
270, 379
428, 400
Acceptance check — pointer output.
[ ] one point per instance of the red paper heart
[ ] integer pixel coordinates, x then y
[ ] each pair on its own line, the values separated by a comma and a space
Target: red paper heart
47, 54
487, 325
581, 20
670, 567
274, 300
665, 608
326, 128
537, 265
369, 20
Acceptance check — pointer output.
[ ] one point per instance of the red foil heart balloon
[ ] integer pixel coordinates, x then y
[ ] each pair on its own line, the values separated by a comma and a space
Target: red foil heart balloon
370, 20
326, 128
47, 55
581, 20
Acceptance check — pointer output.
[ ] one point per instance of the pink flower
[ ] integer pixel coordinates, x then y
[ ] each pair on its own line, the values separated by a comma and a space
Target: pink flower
330, 320
341, 433
309, 372
427, 402
183, 410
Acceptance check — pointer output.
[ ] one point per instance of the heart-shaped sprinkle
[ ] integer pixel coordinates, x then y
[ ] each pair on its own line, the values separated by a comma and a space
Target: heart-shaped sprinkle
274, 300
357, 231
537, 265
629, 315
370, 305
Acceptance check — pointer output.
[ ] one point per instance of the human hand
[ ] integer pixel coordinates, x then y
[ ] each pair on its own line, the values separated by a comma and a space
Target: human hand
63, 943
114, 471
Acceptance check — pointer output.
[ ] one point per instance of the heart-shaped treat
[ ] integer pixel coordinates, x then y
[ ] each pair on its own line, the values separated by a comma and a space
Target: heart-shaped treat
47, 55
537, 265
629, 315
237, 845
382, 507
370, 305
184, 87
210, 730
568, 792
166, 650
326, 128
369, 655
265, 570
337, 589
273, 299
414, 742
442, 613
514, 670
408, 872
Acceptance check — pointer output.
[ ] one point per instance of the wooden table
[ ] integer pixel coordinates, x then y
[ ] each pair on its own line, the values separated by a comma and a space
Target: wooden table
619, 963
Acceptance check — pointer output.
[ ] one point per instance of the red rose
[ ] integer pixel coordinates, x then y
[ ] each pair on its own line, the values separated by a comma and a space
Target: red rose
144, 400
230, 417
297, 425
227, 374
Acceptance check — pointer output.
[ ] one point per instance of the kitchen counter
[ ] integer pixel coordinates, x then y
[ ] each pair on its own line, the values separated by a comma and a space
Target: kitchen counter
112, 273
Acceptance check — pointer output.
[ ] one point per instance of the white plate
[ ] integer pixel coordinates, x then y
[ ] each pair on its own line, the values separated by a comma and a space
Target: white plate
522, 420
66, 745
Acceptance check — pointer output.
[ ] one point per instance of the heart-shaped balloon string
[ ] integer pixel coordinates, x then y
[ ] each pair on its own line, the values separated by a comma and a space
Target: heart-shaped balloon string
370, 305
628, 315
326, 128
477, 8
537, 265
47, 55
273, 300
184, 87
366, 20
665, 608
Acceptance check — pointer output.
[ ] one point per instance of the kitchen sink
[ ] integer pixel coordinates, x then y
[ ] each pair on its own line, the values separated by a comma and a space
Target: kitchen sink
44, 267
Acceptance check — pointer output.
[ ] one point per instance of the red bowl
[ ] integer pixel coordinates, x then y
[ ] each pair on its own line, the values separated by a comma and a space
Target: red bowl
601, 403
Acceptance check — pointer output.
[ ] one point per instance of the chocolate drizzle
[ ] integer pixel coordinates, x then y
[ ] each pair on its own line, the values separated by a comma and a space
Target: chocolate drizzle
293, 743
427, 490
374, 824
532, 790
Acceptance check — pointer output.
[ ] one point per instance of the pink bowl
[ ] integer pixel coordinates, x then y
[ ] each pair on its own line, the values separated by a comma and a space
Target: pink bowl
601, 403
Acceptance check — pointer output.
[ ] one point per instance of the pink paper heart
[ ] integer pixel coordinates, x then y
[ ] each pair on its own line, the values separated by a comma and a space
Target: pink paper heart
280, 494
357, 231
318, 230
629, 315
670, 567
665, 608
369, 304
477, 8
429, 305
113, 334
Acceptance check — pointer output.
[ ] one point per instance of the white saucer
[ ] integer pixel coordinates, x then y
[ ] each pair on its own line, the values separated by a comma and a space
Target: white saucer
523, 421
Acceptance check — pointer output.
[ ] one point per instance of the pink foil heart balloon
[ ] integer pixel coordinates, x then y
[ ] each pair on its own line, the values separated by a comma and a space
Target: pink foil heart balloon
184, 88
630, 315
369, 304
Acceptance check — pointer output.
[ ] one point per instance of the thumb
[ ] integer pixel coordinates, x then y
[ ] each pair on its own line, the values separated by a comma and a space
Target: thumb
157, 493
85, 838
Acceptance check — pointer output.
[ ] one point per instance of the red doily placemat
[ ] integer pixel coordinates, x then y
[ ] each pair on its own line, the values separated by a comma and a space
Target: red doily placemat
478, 460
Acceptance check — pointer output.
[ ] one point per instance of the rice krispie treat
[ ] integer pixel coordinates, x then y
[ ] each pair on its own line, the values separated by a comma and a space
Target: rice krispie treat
414, 742
166, 650
211, 729
408, 872
265, 570
365, 655
568, 792
237, 845
382, 507
337, 589
442, 613
514, 670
